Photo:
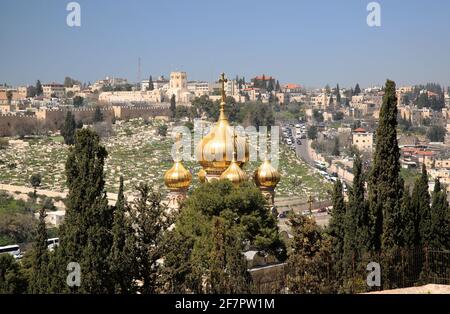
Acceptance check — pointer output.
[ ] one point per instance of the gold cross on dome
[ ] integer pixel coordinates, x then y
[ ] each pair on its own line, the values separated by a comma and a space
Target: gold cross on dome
223, 80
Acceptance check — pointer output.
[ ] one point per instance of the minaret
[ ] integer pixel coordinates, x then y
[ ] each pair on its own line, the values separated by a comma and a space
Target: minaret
177, 180
266, 178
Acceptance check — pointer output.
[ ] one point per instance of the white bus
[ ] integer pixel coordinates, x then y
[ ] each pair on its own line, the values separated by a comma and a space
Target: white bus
52, 243
13, 250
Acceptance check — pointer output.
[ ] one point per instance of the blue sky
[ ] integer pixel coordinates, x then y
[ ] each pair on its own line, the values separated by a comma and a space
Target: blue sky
308, 42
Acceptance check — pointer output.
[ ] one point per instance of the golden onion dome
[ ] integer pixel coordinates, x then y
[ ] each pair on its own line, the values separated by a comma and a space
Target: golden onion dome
202, 175
214, 152
266, 175
234, 173
177, 177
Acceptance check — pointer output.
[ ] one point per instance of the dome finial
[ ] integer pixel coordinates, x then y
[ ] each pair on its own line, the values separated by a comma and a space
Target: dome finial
222, 81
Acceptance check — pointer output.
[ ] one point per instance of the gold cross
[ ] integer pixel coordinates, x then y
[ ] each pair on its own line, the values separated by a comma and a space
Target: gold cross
223, 80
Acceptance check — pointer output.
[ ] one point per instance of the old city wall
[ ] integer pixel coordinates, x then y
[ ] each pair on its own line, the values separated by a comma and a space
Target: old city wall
52, 119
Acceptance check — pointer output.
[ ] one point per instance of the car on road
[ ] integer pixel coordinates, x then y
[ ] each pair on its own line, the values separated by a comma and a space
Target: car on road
322, 210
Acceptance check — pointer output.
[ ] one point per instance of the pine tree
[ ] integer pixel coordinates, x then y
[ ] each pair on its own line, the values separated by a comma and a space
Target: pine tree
86, 231
385, 183
121, 260
228, 270
337, 228
68, 129
440, 219
39, 279
421, 204
173, 106
150, 221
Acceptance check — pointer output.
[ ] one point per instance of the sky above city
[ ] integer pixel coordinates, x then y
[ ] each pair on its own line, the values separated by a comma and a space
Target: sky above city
312, 43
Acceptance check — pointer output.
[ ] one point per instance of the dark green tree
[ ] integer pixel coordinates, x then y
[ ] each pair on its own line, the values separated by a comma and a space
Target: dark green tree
39, 279
357, 90
68, 129
336, 150
39, 90
98, 115
150, 84
440, 219
35, 181
310, 258
408, 215
436, 133
150, 221
162, 130
12, 278
173, 106
78, 101
121, 258
337, 228
385, 183
228, 270
86, 232
421, 205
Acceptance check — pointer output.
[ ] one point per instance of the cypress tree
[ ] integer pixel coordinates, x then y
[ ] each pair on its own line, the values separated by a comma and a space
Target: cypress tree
173, 106
337, 228
39, 279
68, 129
421, 204
385, 183
357, 90
440, 219
338, 94
356, 241
408, 221
150, 220
150, 84
86, 231
121, 255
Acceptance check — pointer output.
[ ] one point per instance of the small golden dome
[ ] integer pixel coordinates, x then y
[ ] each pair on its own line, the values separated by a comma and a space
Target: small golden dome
266, 175
202, 175
177, 177
234, 173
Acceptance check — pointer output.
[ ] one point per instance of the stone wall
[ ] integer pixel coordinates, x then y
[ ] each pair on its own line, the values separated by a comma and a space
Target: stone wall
52, 119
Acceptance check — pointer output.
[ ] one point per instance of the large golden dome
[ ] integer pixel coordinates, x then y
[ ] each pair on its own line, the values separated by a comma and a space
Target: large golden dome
266, 175
215, 151
177, 177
